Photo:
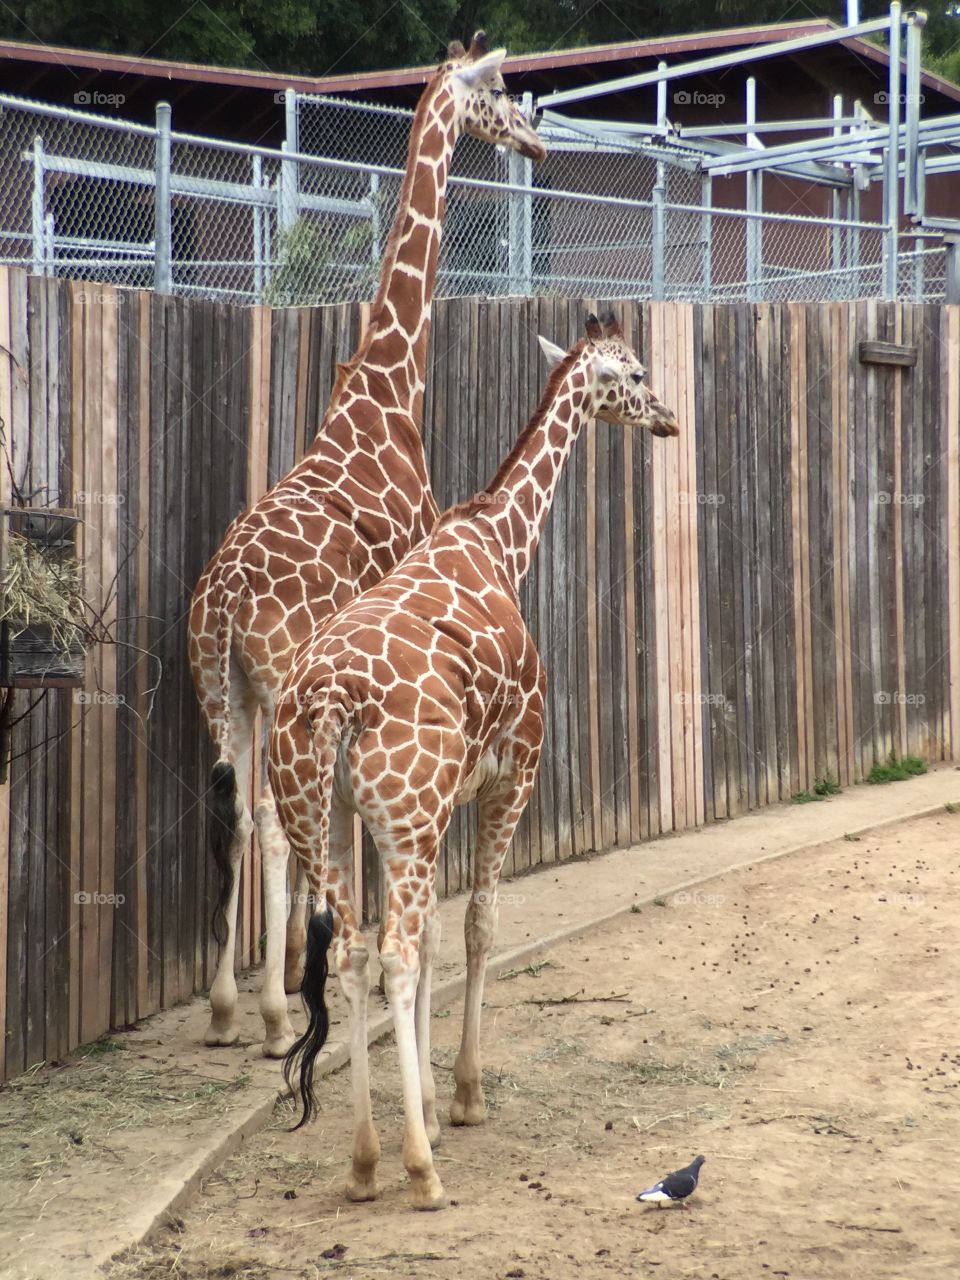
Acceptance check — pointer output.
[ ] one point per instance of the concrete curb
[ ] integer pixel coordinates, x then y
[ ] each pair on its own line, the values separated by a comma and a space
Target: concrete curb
171, 1194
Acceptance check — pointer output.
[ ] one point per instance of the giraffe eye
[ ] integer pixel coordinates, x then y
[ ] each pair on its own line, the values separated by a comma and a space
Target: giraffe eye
498, 93
637, 377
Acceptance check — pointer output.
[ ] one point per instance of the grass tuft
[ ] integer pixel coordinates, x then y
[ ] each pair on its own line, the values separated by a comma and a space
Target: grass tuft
896, 769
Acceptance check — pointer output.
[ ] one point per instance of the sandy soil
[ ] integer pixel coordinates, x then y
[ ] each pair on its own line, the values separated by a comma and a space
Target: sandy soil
797, 1024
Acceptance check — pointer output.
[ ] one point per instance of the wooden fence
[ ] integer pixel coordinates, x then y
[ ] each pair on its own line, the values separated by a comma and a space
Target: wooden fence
773, 598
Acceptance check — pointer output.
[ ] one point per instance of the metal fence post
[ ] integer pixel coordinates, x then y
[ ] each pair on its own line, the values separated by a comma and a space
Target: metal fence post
658, 229
836, 239
36, 207
256, 178
375, 231
951, 245
911, 195
662, 87
162, 223
754, 204
49, 246
891, 177
706, 235
520, 216
289, 196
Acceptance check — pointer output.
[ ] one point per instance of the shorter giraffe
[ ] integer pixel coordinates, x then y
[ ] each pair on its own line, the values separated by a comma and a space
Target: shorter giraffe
424, 692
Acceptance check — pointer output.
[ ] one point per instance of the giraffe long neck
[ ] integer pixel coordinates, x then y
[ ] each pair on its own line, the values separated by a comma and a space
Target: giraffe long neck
394, 351
517, 502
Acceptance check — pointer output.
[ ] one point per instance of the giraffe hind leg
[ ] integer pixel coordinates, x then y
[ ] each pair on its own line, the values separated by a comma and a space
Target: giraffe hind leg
296, 933
232, 838
352, 962
400, 957
274, 858
429, 953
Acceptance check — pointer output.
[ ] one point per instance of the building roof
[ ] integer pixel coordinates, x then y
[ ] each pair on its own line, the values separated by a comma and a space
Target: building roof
205, 98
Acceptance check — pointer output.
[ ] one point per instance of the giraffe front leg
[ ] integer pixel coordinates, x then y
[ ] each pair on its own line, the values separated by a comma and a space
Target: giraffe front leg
429, 951
274, 856
296, 934
499, 813
479, 927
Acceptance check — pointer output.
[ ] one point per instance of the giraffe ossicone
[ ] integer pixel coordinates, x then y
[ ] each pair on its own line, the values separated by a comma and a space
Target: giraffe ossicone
424, 692
358, 500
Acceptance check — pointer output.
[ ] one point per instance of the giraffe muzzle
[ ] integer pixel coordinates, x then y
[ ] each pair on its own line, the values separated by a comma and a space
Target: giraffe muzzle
529, 145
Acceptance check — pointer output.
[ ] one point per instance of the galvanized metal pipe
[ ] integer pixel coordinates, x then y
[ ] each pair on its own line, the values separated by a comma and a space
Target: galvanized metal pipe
162, 219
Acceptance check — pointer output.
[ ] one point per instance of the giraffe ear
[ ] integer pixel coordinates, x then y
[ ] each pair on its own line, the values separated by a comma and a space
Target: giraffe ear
484, 71
551, 351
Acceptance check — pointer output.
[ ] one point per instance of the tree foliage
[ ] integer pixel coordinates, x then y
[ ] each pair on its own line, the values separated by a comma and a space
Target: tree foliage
319, 37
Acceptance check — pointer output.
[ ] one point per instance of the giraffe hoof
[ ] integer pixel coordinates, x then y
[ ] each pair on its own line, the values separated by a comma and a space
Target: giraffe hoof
430, 1196
434, 1133
278, 1046
472, 1112
359, 1191
225, 1038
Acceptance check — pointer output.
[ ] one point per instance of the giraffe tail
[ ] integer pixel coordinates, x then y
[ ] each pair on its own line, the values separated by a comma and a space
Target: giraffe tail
221, 833
327, 719
222, 811
299, 1063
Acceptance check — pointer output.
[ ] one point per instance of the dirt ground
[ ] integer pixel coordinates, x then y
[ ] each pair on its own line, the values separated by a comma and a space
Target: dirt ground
796, 1023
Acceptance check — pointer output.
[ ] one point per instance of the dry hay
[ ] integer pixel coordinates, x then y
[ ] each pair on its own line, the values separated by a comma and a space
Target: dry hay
154, 1262
54, 1115
41, 587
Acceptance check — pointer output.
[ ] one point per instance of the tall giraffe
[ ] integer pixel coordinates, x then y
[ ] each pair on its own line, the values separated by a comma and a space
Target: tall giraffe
354, 505
425, 692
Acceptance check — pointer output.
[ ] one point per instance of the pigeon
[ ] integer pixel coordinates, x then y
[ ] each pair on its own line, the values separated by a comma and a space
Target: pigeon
675, 1186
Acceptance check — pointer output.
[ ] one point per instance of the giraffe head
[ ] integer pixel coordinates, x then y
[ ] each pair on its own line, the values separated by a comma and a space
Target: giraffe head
484, 108
615, 379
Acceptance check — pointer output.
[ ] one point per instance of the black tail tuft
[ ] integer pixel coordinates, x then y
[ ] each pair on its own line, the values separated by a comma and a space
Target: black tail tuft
221, 833
302, 1055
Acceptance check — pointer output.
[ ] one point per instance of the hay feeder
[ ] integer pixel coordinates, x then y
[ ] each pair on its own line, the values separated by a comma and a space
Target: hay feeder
41, 609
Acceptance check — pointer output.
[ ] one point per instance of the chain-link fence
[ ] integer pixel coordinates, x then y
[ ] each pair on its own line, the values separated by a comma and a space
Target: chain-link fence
102, 199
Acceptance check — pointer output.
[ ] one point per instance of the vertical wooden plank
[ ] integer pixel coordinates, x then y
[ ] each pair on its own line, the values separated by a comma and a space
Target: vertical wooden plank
841, 611
765, 558
6, 414
951, 454
140, 476
22, 924
798, 489
631, 554
913, 519
693, 427
898, 534
932, 544
593, 698
679, 687
730, 631
661, 588
744, 556
106, 435
30, 459
91, 1022
709, 361
690, 607
76, 319
123, 1009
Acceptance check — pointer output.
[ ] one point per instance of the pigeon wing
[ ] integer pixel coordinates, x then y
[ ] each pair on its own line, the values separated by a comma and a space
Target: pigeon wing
657, 1186
679, 1185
